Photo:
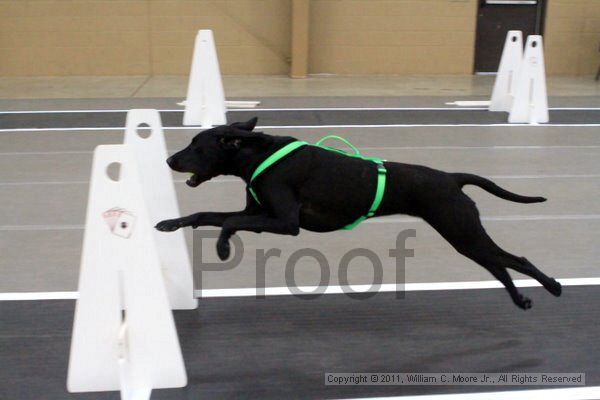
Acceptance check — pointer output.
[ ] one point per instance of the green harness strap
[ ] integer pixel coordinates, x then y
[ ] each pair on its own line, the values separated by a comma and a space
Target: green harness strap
287, 149
272, 159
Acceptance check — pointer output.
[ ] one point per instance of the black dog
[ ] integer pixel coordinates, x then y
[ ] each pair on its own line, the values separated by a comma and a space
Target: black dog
323, 191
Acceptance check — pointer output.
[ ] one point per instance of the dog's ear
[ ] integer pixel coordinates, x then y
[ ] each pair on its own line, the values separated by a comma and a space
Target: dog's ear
236, 138
246, 126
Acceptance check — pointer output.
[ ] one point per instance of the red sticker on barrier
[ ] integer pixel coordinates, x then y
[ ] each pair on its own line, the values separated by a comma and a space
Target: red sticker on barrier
120, 221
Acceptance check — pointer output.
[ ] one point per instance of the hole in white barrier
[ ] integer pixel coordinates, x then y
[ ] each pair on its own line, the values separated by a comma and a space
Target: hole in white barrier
113, 170
514, 38
143, 130
534, 44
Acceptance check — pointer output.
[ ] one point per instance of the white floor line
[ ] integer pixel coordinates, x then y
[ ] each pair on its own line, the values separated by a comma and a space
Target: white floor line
49, 183
34, 130
424, 125
332, 289
266, 110
507, 147
380, 220
216, 180
79, 111
17, 296
409, 287
295, 109
550, 176
230, 180
400, 148
570, 393
71, 111
11, 228
574, 108
43, 153
572, 217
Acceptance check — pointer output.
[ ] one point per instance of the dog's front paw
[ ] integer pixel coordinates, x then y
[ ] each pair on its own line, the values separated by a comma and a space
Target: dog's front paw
223, 249
168, 225
555, 287
523, 302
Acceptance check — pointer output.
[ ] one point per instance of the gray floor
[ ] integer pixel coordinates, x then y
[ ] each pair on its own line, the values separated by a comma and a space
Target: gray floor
294, 118
423, 100
281, 347
44, 179
44, 183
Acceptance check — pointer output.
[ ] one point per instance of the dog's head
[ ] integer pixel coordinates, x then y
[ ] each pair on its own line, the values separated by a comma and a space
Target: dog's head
210, 153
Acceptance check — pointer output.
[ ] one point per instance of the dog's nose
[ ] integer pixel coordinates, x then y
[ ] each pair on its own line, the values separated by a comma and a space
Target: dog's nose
171, 162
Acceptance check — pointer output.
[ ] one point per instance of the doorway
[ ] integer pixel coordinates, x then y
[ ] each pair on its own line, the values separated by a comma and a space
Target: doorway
494, 19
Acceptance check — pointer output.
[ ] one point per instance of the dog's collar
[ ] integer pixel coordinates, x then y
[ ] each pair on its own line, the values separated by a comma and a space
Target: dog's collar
290, 147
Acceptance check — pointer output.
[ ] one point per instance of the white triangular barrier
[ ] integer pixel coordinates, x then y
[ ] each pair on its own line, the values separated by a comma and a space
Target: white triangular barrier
124, 336
150, 152
205, 104
510, 63
530, 104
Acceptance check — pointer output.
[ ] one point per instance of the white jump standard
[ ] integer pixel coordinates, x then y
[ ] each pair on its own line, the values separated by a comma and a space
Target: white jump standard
124, 336
530, 104
506, 80
520, 86
150, 152
205, 104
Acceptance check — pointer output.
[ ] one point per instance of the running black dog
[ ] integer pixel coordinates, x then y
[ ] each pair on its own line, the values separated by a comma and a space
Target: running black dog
323, 191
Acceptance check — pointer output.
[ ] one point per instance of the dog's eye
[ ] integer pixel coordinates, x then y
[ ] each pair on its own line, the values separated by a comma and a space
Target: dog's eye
230, 142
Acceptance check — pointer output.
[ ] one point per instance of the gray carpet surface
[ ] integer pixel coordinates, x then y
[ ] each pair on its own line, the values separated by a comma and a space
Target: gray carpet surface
294, 118
281, 347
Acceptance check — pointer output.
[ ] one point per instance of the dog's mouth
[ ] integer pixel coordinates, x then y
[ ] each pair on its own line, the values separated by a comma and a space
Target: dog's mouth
194, 180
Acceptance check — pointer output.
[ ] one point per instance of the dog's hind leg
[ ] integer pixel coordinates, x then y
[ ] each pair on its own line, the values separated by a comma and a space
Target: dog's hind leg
489, 259
461, 227
522, 265
502, 275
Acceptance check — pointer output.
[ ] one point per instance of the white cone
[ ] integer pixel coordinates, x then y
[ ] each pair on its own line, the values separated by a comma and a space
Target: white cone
530, 104
205, 104
510, 63
159, 194
135, 350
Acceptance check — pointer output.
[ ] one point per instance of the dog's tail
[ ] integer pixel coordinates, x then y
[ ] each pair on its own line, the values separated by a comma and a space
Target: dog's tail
491, 187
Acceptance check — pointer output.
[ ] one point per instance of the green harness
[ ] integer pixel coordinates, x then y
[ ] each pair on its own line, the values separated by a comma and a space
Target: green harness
287, 149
